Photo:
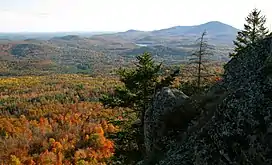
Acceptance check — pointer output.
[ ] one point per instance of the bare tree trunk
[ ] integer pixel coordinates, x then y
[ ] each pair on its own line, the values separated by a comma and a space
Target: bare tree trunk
200, 60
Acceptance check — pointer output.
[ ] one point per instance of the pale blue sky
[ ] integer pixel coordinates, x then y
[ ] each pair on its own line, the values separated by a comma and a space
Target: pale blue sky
121, 15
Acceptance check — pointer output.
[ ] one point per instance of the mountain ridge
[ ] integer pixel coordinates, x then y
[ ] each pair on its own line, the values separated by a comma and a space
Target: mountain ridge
185, 27
214, 25
218, 32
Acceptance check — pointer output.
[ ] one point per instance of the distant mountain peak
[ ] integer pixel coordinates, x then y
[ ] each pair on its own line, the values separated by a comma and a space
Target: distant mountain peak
214, 28
214, 22
132, 30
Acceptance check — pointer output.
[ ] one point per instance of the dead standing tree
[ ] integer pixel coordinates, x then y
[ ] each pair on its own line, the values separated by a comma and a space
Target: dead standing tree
200, 59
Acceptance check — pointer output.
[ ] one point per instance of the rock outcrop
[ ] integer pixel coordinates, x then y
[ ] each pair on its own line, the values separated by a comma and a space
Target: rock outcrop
233, 124
164, 104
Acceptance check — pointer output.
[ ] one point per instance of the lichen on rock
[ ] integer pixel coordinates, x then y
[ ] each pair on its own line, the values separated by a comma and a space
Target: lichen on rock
239, 129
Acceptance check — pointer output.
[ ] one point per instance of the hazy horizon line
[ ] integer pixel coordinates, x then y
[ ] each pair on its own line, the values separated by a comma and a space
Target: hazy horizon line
13, 32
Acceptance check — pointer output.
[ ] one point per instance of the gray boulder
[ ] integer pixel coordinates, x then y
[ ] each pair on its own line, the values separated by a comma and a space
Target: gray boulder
164, 104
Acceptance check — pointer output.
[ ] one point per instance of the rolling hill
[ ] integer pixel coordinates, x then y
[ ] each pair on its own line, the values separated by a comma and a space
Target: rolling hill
72, 53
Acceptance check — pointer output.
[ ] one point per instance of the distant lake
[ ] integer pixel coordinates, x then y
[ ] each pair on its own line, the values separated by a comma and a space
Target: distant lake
142, 45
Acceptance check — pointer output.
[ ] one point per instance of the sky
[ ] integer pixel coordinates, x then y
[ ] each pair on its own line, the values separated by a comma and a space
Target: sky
122, 15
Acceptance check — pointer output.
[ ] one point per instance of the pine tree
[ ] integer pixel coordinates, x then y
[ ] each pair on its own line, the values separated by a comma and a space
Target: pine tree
254, 30
140, 84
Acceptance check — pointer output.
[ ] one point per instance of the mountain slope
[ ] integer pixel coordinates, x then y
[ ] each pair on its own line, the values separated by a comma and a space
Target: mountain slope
213, 28
129, 35
161, 51
218, 33
68, 54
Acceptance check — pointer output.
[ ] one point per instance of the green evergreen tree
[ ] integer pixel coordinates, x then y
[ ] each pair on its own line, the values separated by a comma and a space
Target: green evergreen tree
140, 84
254, 30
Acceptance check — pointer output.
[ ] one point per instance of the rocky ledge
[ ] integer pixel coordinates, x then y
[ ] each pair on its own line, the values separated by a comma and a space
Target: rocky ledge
231, 124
